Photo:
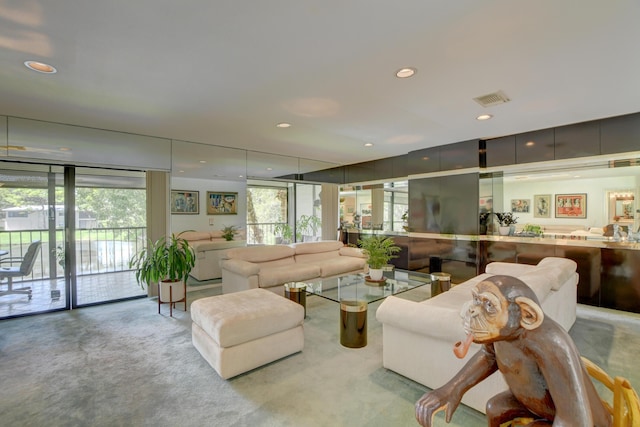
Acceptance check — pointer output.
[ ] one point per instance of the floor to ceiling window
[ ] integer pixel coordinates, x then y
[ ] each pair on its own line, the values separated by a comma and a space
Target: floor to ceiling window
308, 212
279, 212
110, 228
268, 214
88, 223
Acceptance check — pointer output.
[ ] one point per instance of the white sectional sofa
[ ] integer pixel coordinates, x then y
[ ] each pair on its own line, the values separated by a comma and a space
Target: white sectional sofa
209, 247
270, 267
418, 337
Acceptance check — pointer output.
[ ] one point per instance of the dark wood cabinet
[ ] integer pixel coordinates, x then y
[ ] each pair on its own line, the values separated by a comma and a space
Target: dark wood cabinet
579, 140
620, 134
501, 151
359, 172
423, 161
535, 146
383, 169
400, 166
331, 176
461, 155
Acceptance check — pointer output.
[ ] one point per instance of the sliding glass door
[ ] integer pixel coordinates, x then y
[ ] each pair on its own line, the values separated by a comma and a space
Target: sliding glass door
88, 223
110, 226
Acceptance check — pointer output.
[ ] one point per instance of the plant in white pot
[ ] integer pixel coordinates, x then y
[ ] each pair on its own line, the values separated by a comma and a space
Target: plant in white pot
307, 228
165, 262
506, 220
284, 233
379, 250
229, 232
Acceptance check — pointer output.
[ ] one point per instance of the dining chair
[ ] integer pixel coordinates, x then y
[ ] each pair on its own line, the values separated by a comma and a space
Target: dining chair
18, 267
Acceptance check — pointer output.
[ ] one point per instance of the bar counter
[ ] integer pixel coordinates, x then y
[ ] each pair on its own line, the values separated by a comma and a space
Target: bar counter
609, 270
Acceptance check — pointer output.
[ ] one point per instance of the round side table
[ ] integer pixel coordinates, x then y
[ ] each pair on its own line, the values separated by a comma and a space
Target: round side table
353, 323
297, 292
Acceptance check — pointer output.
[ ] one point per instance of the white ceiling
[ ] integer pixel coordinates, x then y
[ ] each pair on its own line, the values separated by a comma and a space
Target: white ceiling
225, 72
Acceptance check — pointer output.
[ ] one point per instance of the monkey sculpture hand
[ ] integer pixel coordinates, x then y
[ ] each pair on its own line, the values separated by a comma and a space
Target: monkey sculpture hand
537, 357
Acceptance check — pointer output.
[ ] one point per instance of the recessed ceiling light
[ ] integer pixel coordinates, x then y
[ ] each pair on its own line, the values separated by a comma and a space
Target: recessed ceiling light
40, 67
181, 171
404, 73
240, 176
484, 117
269, 169
203, 161
530, 143
283, 125
368, 144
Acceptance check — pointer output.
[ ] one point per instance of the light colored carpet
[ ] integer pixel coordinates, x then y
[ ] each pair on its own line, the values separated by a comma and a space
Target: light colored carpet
124, 365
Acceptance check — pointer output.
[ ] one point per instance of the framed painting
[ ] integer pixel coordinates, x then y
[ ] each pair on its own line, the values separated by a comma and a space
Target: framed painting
571, 205
185, 202
542, 206
221, 203
520, 205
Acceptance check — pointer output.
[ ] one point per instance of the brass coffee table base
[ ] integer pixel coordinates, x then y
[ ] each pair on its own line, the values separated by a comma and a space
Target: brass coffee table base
353, 324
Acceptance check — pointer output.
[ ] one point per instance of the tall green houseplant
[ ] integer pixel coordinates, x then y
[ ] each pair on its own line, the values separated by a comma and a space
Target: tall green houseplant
165, 262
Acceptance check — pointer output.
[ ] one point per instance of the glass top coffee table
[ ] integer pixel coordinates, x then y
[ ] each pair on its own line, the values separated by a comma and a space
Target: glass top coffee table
354, 293
355, 287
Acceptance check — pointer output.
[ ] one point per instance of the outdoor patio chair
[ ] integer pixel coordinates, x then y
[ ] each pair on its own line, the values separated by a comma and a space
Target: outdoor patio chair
22, 267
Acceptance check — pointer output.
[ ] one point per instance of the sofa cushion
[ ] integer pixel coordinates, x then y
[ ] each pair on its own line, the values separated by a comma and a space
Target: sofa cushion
340, 265
540, 281
260, 254
317, 247
203, 246
217, 234
317, 257
450, 300
562, 268
508, 268
351, 251
434, 320
195, 235
289, 273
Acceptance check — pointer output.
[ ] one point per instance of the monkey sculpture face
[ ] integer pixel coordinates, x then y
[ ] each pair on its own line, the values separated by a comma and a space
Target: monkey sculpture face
493, 316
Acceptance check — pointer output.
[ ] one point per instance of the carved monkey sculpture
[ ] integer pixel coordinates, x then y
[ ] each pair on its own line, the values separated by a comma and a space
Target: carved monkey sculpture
537, 357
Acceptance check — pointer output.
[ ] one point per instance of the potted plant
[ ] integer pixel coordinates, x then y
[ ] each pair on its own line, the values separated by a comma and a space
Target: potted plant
58, 251
506, 220
165, 262
307, 227
229, 232
405, 220
284, 233
379, 251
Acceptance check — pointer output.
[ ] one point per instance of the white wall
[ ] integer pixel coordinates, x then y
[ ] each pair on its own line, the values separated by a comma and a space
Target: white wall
595, 188
202, 221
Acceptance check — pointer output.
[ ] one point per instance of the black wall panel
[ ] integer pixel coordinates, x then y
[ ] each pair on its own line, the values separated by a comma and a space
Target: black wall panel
579, 140
444, 204
501, 151
535, 146
383, 168
424, 161
331, 176
460, 155
359, 172
620, 134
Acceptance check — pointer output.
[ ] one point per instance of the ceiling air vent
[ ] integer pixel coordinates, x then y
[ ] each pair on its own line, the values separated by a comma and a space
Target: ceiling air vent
492, 99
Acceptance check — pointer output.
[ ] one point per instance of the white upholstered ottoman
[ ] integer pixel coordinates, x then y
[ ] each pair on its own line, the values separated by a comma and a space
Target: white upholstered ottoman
241, 331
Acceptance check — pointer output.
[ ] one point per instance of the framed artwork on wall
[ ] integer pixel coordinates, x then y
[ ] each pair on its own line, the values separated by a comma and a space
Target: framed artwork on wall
520, 205
571, 205
542, 206
221, 203
185, 202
